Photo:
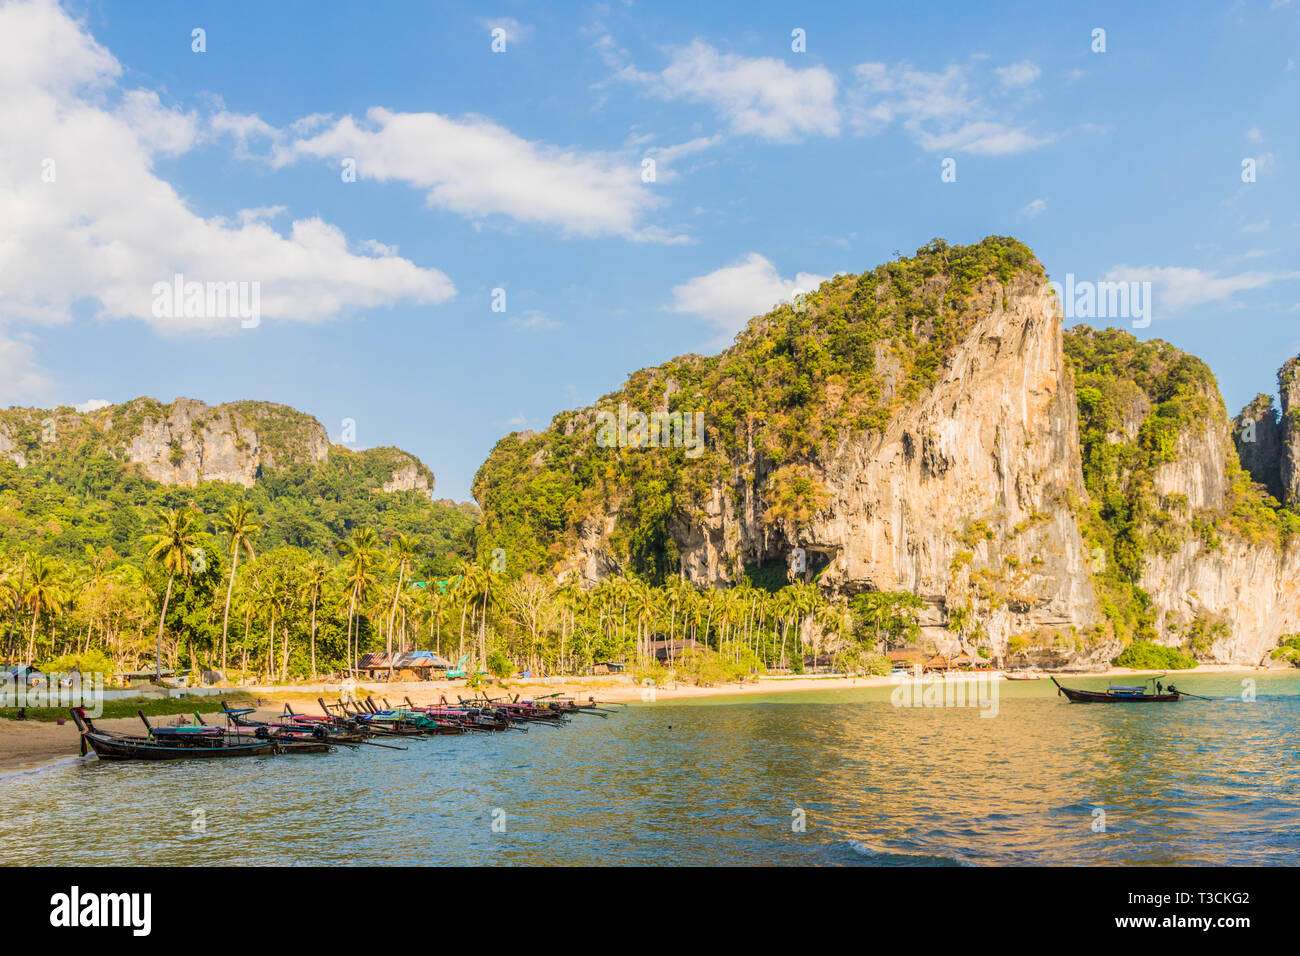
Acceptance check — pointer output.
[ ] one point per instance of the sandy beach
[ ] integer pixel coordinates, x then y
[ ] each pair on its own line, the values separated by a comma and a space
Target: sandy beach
25, 745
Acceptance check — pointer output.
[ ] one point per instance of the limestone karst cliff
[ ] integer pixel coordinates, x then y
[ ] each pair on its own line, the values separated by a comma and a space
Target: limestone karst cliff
186, 442
928, 427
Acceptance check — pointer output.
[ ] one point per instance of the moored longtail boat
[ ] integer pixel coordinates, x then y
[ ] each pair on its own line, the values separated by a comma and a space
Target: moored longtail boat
1115, 694
114, 746
325, 731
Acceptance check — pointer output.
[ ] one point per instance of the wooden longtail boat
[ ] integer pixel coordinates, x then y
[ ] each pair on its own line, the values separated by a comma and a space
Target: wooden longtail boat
1122, 695
381, 728
113, 746
294, 730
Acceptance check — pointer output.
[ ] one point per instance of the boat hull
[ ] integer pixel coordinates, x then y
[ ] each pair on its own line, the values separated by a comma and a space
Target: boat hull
1101, 697
109, 748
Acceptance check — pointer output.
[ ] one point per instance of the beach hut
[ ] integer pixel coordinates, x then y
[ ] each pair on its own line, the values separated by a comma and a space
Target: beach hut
964, 661
819, 663
407, 665
938, 663
666, 650
905, 659
140, 677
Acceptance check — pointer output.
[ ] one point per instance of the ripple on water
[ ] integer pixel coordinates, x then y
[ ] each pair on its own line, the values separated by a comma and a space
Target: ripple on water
875, 785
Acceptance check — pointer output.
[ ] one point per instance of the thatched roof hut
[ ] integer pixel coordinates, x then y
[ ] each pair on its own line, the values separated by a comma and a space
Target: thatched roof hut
939, 663
963, 659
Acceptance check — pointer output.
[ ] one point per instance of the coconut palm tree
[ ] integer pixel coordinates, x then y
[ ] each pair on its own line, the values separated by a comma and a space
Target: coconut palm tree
402, 549
315, 575
238, 524
570, 595
359, 561
173, 545
45, 592
12, 596
463, 593
480, 581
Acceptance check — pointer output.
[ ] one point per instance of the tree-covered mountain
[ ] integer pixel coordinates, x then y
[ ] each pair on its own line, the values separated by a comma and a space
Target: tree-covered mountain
72, 482
928, 428
917, 454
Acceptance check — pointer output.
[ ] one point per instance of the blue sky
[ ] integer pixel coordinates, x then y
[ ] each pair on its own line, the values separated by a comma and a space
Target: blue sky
522, 170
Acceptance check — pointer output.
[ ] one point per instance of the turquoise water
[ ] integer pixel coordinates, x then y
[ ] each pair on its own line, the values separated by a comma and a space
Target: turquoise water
720, 781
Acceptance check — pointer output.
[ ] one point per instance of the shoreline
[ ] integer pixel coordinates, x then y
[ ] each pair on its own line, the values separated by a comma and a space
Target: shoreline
32, 745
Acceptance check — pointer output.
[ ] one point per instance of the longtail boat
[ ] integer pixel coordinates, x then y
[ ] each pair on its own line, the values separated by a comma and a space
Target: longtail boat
114, 746
200, 733
324, 731
1115, 694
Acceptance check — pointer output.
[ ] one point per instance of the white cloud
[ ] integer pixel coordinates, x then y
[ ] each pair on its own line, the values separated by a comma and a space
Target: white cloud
536, 320
666, 156
516, 32
944, 112
729, 297
92, 404
107, 227
21, 380
1262, 226
1254, 135
755, 96
1177, 288
475, 168
1034, 209
1018, 74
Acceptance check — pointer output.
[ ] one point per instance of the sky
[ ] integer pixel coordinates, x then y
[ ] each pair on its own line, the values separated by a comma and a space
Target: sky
462, 219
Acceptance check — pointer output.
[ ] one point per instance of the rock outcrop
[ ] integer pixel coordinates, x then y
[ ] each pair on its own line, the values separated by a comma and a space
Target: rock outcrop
187, 441
965, 473
1257, 436
962, 499
1288, 380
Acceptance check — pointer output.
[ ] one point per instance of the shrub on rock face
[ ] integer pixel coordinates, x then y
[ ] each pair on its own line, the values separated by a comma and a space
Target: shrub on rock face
1147, 655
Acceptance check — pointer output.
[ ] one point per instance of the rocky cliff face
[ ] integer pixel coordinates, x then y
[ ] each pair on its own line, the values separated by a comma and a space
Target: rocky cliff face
1288, 380
188, 441
193, 442
942, 452
963, 499
1257, 436
411, 477
1220, 586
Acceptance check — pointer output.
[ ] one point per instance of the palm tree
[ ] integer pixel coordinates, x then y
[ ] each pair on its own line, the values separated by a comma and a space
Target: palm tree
875, 608
15, 592
463, 592
403, 550
315, 575
359, 559
570, 596
173, 545
282, 595
44, 592
478, 586
238, 524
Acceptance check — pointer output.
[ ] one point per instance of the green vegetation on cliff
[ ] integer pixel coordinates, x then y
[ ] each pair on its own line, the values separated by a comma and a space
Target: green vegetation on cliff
843, 360
91, 501
1142, 404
